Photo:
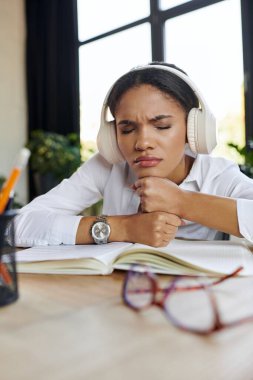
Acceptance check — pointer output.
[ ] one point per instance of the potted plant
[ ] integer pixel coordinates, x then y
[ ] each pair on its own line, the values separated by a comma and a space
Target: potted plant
53, 158
246, 153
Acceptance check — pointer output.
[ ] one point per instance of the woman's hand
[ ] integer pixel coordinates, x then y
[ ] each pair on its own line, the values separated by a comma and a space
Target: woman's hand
158, 194
156, 228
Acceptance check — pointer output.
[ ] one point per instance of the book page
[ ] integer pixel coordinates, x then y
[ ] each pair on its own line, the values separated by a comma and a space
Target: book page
179, 257
103, 252
69, 259
189, 257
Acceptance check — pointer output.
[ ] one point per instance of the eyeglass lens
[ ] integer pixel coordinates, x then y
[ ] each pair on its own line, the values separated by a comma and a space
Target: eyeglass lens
139, 290
191, 309
234, 303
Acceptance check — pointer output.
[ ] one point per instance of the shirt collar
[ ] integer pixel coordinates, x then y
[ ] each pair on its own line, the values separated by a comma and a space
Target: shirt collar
130, 175
195, 173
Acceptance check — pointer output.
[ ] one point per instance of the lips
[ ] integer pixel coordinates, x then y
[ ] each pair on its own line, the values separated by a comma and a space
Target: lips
147, 161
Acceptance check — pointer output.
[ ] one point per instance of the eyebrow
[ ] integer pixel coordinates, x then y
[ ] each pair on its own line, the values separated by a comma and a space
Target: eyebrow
160, 117
124, 122
155, 118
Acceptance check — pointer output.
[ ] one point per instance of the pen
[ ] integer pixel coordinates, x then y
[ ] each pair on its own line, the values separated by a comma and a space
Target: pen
10, 201
11, 181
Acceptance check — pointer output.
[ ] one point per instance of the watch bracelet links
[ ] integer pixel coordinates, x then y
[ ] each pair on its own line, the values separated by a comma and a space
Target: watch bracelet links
101, 218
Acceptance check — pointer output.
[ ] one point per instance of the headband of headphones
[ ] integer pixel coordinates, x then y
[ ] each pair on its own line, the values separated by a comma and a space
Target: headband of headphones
201, 124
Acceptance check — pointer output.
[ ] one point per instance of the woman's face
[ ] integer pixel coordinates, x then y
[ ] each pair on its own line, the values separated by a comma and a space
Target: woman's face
151, 133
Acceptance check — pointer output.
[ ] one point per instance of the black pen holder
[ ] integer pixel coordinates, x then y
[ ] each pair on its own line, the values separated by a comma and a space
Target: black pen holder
8, 273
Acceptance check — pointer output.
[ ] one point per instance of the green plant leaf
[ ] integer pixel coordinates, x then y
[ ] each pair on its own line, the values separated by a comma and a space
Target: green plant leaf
54, 153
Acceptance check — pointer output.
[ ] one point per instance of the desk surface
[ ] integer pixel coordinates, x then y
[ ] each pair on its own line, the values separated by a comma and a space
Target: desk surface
76, 327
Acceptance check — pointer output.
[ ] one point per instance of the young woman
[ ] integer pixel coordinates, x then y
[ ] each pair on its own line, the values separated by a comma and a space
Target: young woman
153, 171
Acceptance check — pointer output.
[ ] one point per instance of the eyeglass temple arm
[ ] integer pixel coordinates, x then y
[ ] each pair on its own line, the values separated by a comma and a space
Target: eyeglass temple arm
224, 278
230, 275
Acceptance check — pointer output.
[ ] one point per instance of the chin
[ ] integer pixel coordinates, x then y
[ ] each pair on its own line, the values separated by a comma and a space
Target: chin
150, 172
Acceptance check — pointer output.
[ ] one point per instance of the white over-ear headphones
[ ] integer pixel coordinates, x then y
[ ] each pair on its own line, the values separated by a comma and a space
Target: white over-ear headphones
201, 124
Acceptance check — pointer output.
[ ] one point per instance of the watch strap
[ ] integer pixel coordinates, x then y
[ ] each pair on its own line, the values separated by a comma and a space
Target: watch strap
101, 218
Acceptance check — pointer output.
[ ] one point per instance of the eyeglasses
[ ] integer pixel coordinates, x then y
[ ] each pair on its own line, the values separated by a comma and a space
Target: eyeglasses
188, 301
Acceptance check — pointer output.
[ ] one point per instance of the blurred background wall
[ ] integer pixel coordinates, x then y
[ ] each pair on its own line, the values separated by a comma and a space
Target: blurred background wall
13, 112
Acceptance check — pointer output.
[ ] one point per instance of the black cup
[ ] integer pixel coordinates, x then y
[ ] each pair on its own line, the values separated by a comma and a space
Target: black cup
8, 273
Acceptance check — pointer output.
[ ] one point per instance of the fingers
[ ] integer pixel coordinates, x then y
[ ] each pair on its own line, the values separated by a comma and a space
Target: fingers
135, 186
166, 228
139, 190
158, 194
173, 220
168, 237
169, 219
147, 182
141, 184
156, 229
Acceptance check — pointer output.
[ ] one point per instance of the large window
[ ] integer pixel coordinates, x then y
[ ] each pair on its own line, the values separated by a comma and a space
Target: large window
101, 63
207, 44
96, 17
102, 60
202, 37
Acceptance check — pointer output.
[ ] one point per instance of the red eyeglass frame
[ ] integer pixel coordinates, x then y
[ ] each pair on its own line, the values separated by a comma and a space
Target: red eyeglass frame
155, 288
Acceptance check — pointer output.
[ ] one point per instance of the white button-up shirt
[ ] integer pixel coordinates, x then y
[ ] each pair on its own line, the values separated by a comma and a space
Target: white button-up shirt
53, 218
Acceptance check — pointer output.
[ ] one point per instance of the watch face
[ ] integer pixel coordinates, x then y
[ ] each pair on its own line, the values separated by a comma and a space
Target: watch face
101, 231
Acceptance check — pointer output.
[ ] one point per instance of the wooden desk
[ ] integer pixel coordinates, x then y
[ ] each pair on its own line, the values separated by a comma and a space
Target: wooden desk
76, 327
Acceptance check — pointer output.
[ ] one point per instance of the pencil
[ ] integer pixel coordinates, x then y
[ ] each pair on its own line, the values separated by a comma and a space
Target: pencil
5, 274
11, 181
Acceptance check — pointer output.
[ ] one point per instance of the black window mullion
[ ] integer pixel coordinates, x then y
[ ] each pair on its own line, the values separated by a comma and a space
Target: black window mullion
157, 32
188, 7
114, 31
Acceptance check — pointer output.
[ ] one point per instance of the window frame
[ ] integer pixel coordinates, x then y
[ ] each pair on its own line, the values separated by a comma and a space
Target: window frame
157, 19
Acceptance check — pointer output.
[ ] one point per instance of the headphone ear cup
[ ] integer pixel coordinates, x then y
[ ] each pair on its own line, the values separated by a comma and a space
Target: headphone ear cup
107, 142
201, 131
191, 129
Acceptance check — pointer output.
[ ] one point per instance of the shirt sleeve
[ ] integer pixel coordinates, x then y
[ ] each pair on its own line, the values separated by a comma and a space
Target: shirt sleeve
244, 214
53, 218
240, 187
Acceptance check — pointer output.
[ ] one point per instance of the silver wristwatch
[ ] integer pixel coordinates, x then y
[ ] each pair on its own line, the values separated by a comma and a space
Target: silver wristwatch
100, 230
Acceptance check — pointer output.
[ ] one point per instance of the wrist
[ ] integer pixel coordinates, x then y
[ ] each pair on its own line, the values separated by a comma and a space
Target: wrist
83, 234
119, 228
185, 203
180, 204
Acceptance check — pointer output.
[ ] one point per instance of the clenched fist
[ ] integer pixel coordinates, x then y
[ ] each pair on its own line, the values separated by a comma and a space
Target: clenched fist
158, 194
155, 228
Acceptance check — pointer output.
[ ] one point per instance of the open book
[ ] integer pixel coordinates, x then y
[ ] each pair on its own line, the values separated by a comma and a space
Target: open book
179, 257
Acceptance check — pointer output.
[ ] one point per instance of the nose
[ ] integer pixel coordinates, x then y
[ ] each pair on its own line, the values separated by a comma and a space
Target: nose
144, 140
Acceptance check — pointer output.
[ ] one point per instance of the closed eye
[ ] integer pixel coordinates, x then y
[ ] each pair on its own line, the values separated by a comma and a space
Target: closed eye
163, 127
126, 126
126, 131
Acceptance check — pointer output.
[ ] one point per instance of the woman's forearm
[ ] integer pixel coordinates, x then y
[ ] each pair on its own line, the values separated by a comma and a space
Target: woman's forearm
156, 229
116, 223
219, 213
